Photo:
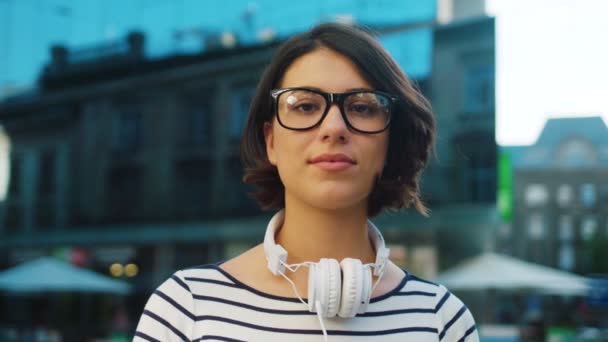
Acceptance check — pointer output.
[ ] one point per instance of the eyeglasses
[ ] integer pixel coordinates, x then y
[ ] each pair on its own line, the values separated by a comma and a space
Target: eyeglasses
365, 111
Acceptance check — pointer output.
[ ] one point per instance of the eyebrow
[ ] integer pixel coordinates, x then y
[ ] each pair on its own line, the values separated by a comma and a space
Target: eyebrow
347, 90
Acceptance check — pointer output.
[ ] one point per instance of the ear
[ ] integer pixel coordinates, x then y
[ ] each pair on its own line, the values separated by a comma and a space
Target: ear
269, 139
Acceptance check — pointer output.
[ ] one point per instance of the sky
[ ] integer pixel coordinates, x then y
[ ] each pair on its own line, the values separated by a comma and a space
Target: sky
551, 61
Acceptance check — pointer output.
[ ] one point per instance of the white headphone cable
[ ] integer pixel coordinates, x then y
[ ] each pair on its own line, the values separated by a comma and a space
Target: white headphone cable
318, 303
294, 268
377, 280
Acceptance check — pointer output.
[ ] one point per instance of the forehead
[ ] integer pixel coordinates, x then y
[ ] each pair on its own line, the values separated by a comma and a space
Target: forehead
324, 69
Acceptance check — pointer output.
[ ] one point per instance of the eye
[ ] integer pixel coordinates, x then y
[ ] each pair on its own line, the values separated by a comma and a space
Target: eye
302, 102
307, 107
362, 109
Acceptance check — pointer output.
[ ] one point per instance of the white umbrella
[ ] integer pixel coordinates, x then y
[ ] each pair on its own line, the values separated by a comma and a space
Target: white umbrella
501, 272
51, 275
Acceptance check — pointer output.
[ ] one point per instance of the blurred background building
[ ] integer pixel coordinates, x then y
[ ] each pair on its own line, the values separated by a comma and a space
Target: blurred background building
553, 202
121, 131
560, 197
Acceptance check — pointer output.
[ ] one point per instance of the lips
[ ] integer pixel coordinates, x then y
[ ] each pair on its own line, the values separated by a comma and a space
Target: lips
333, 162
332, 158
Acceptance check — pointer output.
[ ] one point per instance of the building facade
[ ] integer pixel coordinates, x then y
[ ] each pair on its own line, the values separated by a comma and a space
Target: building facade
560, 195
120, 159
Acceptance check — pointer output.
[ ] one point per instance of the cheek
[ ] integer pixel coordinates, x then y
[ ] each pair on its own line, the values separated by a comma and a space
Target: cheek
289, 150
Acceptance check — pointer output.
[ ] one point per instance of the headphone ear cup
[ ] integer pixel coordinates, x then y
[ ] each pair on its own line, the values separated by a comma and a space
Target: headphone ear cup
334, 287
324, 284
312, 287
352, 287
366, 289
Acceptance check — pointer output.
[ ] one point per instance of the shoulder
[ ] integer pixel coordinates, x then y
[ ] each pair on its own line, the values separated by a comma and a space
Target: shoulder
454, 321
170, 312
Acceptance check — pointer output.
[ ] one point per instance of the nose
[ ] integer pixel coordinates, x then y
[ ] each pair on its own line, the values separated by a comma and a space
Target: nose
333, 127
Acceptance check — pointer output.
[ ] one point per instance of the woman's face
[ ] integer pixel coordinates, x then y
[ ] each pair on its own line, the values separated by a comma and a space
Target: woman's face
328, 166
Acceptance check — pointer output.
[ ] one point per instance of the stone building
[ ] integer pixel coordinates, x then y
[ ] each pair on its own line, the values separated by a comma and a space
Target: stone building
560, 199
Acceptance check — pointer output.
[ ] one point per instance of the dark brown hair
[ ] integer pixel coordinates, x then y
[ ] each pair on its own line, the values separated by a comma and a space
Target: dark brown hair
411, 132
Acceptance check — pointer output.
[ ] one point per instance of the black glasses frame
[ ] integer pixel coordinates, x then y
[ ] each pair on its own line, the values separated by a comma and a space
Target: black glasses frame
330, 99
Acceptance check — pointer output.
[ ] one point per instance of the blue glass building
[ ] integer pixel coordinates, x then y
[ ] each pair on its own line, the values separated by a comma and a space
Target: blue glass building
122, 122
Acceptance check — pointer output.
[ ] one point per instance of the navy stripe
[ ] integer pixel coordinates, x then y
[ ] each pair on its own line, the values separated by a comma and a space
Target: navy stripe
174, 303
212, 281
166, 324
318, 332
306, 312
181, 283
467, 333
205, 267
442, 301
243, 286
217, 338
146, 337
255, 308
416, 293
395, 312
414, 278
452, 321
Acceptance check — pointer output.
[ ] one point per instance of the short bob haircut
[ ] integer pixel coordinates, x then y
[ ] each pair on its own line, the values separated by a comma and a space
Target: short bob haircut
411, 131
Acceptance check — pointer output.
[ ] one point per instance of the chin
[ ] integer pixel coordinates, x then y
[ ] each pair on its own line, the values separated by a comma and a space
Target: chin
330, 194
338, 200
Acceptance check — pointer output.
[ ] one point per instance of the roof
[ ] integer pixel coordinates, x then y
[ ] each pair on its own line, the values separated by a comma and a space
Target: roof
557, 130
186, 27
579, 142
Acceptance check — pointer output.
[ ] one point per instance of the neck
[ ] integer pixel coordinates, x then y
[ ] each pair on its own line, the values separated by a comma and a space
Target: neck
309, 233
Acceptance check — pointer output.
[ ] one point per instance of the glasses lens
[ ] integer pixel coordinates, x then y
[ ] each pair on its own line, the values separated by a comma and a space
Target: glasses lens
300, 108
368, 111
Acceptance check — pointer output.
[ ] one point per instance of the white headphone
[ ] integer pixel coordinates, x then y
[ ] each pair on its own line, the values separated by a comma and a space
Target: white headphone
343, 288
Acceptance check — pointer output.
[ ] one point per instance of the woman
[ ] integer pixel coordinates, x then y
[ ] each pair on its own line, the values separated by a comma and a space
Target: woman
336, 133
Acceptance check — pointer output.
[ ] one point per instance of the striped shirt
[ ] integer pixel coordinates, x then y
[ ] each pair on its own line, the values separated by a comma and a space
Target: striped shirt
208, 304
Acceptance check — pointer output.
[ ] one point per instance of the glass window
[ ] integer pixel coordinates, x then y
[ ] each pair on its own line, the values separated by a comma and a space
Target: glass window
196, 127
237, 199
194, 187
479, 89
566, 257
564, 195
124, 185
588, 195
536, 194
566, 228
126, 132
46, 175
536, 228
14, 220
14, 185
241, 100
588, 227
476, 151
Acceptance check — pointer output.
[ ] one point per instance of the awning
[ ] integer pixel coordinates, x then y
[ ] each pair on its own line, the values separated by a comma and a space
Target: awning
51, 275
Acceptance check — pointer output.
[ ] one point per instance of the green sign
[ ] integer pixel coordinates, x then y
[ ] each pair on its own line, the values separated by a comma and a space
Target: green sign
505, 187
